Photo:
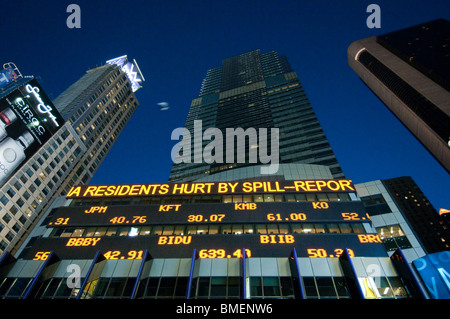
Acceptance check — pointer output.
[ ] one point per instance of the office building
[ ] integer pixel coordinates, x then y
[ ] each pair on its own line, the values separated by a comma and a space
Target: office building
256, 91
70, 138
409, 70
290, 239
389, 221
432, 229
404, 218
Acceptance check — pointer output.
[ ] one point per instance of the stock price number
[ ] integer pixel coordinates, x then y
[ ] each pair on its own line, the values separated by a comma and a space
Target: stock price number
354, 216
322, 253
60, 221
199, 218
123, 220
117, 254
293, 216
221, 253
41, 255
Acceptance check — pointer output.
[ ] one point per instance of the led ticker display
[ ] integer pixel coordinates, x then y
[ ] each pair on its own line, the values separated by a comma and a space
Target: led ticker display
214, 246
240, 187
268, 212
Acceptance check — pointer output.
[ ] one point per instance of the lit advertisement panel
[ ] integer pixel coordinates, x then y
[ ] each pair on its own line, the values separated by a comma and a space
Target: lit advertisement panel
27, 120
131, 69
210, 246
207, 188
221, 213
434, 269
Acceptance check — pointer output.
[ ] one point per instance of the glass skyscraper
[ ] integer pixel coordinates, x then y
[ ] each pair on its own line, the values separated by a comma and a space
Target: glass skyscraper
257, 90
409, 71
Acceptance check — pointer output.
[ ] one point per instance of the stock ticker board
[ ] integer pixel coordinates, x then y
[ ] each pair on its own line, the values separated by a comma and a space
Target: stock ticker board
214, 215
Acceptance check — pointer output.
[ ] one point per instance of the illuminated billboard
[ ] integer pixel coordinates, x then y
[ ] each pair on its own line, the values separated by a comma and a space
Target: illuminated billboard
239, 187
131, 69
27, 120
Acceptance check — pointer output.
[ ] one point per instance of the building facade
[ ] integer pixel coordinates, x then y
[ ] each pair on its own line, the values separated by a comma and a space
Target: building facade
433, 229
387, 218
404, 218
91, 114
409, 71
254, 91
247, 239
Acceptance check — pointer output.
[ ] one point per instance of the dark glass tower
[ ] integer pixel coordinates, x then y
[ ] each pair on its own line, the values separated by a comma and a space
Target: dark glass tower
409, 70
257, 90
432, 229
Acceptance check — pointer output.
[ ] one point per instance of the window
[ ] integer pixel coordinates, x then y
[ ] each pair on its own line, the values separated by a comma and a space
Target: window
6, 218
213, 229
325, 287
393, 237
375, 205
383, 287
17, 287
271, 287
162, 287
11, 193
216, 287
4, 200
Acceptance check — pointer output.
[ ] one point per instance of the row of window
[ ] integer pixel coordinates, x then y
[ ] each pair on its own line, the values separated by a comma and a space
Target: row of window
208, 288
231, 229
257, 198
93, 96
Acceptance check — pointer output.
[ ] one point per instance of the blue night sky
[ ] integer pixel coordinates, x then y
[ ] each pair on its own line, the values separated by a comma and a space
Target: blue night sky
176, 42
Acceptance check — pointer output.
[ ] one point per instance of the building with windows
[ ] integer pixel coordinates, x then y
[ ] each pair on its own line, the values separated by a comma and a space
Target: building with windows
409, 70
432, 229
254, 91
246, 239
87, 118
404, 218
392, 226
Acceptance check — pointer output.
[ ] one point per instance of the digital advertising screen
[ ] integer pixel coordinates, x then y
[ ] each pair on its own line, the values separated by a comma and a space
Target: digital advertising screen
28, 119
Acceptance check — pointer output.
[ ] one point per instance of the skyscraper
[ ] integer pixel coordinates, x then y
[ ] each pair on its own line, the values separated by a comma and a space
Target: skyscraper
98, 106
433, 230
409, 70
256, 91
94, 111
